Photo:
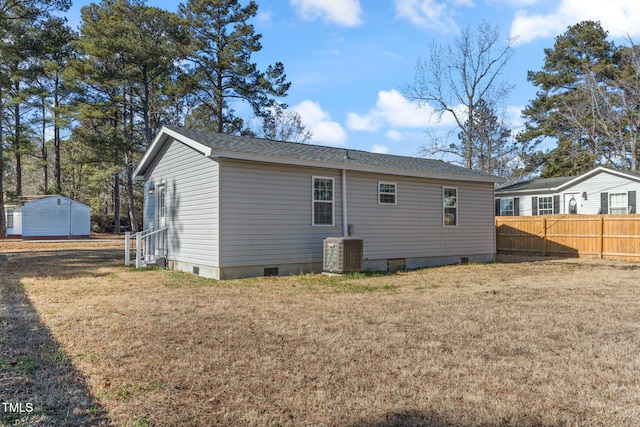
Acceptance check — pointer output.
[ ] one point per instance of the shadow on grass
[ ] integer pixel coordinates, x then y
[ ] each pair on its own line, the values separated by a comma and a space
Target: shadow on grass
422, 419
38, 384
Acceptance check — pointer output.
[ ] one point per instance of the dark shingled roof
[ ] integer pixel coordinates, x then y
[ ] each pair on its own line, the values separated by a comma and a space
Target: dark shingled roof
536, 184
266, 147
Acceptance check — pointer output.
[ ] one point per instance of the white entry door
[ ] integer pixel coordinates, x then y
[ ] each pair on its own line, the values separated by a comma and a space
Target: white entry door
161, 220
161, 206
572, 203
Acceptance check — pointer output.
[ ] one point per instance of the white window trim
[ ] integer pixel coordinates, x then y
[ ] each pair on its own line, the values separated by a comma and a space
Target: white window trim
444, 207
513, 206
10, 214
626, 207
395, 193
552, 202
161, 202
333, 201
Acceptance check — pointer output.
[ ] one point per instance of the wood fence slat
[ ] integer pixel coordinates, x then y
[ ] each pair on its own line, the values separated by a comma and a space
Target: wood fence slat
610, 236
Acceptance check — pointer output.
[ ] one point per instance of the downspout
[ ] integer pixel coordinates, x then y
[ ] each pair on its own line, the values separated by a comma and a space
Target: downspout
345, 226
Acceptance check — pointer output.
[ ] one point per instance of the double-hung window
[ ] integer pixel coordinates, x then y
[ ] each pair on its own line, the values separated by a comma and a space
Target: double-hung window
323, 200
507, 206
545, 205
450, 206
387, 193
618, 203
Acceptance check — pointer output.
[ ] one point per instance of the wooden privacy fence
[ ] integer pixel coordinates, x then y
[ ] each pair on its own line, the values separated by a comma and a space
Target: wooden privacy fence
602, 236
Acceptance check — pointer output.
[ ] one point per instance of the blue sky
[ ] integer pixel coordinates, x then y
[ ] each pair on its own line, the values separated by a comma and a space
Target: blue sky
347, 59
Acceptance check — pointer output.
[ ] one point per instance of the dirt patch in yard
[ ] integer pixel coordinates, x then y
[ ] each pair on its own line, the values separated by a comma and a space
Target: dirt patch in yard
526, 343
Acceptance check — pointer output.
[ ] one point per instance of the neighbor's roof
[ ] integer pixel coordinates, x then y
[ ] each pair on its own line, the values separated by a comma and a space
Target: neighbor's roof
214, 145
537, 184
556, 184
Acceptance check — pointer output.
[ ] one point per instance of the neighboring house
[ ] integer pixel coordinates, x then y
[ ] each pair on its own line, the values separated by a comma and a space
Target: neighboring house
47, 217
240, 207
599, 191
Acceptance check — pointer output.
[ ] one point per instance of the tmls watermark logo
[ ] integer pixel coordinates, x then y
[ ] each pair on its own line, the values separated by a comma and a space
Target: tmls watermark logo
17, 407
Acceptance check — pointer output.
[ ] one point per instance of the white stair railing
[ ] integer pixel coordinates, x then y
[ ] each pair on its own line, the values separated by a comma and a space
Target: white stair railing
150, 245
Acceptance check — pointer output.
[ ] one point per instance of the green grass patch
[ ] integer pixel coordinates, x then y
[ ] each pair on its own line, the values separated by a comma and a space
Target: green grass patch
180, 279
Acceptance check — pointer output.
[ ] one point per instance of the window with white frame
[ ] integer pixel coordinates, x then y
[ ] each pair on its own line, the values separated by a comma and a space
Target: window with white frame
162, 202
507, 206
545, 205
322, 201
618, 203
9, 218
387, 193
450, 206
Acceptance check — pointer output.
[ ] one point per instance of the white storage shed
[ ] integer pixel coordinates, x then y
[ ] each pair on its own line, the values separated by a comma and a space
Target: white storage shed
50, 217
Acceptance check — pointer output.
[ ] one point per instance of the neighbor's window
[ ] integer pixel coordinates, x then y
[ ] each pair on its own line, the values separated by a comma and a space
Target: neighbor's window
618, 203
545, 205
450, 206
322, 201
9, 218
506, 206
386, 193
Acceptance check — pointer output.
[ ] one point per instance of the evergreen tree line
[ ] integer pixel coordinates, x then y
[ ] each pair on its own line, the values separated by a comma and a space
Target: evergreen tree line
79, 108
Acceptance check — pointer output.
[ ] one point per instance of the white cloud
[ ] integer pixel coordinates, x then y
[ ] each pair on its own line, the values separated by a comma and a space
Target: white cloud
380, 149
396, 111
318, 121
620, 18
395, 135
368, 122
429, 13
342, 12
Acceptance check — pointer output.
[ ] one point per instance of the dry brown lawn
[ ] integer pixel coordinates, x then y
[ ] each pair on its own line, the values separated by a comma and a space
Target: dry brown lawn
87, 341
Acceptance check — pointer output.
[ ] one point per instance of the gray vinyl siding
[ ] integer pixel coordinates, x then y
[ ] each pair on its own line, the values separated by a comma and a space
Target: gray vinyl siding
266, 216
191, 182
414, 226
265, 212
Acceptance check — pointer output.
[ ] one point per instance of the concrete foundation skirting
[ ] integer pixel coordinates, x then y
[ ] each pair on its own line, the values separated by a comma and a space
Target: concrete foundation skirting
412, 263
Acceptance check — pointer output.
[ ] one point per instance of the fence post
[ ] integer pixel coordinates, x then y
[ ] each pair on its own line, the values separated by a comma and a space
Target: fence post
138, 251
600, 237
544, 236
127, 248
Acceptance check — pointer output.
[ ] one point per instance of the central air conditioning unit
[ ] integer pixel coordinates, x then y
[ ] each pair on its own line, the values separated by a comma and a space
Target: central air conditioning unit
343, 255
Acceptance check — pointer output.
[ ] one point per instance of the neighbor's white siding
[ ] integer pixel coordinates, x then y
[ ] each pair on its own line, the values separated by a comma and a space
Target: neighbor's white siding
593, 187
191, 182
16, 230
265, 212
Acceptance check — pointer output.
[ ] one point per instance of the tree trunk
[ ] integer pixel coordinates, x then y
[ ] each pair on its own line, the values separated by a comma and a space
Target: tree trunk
132, 208
116, 196
56, 136
45, 156
18, 149
3, 224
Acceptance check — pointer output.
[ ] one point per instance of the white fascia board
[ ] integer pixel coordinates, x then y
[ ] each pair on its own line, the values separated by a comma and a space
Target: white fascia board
347, 166
158, 143
531, 191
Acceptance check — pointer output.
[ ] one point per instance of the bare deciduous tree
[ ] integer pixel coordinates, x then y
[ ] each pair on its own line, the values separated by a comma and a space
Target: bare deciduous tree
456, 77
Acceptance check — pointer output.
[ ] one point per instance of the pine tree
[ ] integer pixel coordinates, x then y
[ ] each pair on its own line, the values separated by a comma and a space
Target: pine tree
222, 72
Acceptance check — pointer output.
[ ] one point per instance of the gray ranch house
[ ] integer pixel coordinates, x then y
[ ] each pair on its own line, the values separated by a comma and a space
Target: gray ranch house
599, 191
240, 207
